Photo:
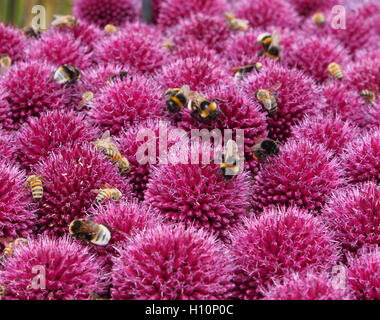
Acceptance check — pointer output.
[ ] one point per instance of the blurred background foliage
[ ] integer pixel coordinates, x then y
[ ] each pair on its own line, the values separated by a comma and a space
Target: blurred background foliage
19, 12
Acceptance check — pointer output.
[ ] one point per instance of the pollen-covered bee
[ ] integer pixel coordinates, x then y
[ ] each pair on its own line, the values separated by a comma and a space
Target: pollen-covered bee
264, 148
319, 19
268, 98
121, 76
110, 28
230, 165
64, 21
241, 71
335, 70
5, 63
31, 32
110, 150
169, 44
107, 192
34, 182
369, 96
86, 98
90, 231
235, 23
2, 292
8, 250
271, 44
67, 74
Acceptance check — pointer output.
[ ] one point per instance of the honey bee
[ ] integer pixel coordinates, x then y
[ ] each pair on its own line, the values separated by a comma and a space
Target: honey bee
169, 44
86, 97
241, 71
110, 28
110, 150
64, 21
235, 23
90, 231
268, 98
34, 182
369, 96
5, 63
67, 74
2, 292
319, 19
8, 250
121, 76
335, 70
107, 192
264, 148
271, 44
31, 32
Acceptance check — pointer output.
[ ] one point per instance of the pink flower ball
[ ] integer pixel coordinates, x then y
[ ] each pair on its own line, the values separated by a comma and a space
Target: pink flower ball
134, 51
310, 286
48, 133
72, 175
12, 42
212, 31
332, 132
172, 11
17, 217
267, 13
198, 73
60, 48
123, 102
313, 55
199, 195
172, 263
277, 243
28, 91
195, 48
364, 275
354, 214
103, 12
361, 160
70, 271
303, 174
309, 7
297, 95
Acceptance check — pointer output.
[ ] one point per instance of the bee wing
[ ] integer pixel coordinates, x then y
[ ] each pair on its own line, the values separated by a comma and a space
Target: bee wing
231, 149
276, 38
275, 87
185, 89
106, 135
267, 103
106, 185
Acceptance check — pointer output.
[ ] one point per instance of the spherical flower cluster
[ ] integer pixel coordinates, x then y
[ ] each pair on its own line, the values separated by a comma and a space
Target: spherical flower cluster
28, 91
95, 78
195, 48
172, 263
332, 132
354, 214
123, 102
46, 134
103, 12
12, 42
277, 243
304, 174
65, 268
72, 175
199, 195
311, 286
361, 160
17, 216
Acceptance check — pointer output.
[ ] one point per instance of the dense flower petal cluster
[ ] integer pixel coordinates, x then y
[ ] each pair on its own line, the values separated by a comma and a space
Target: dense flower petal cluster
12, 42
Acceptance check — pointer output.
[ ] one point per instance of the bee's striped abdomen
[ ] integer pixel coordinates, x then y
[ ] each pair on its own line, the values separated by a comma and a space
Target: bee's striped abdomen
37, 190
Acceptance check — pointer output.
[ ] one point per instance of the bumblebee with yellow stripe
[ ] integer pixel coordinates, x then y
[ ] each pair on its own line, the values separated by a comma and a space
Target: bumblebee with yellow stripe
263, 149
9, 249
335, 70
176, 98
271, 44
107, 192
241, 71
67, 74
369, 96
34, 182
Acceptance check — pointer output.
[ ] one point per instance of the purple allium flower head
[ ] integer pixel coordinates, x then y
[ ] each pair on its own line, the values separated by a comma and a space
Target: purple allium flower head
313, 55
122, 102
303, 174
277, 243
103, 12
364, 275
195, 48
267, 13
354, 214
196, 72
28, 91
70, 271
212, 31
172, 11
12, 42
297, 96
7, 145
310, 286
60, 48
332, 132
46, 134
361, 160
133, 50
129, 147
17, 216
309, 7
72, 175
172, 263
199, 195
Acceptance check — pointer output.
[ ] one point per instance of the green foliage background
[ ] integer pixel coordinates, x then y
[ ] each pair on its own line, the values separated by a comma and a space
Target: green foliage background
19, 12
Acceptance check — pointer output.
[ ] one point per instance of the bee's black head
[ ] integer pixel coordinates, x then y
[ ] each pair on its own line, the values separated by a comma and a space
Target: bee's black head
270, 147
75, 226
